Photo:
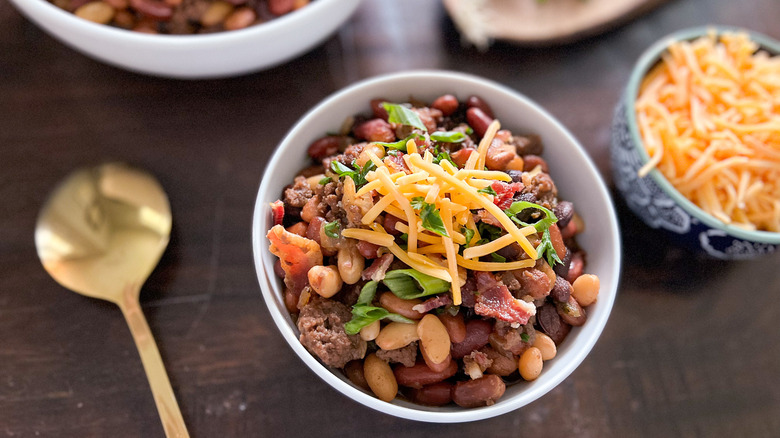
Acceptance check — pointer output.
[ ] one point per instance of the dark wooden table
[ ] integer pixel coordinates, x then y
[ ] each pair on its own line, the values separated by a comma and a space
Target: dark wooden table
692, 347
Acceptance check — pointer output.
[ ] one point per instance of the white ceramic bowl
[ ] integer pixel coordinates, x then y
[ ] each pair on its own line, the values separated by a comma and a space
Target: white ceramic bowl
573, 171
194, 56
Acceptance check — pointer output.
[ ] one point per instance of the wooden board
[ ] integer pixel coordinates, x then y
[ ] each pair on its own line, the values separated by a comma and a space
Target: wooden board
534, 22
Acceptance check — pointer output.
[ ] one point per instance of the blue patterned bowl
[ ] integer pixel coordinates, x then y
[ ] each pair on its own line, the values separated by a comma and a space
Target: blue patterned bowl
653, 198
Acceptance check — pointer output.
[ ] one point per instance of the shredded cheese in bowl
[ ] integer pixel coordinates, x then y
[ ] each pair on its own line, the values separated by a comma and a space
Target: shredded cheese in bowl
709, 117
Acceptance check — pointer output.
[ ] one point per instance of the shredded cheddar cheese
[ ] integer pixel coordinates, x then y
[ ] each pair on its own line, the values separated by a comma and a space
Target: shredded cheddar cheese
709, 116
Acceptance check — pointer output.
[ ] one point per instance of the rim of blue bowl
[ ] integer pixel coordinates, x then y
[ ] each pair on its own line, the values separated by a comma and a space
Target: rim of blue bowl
648, 60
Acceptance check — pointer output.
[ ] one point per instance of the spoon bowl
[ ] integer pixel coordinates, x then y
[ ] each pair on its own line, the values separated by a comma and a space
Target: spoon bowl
100, 234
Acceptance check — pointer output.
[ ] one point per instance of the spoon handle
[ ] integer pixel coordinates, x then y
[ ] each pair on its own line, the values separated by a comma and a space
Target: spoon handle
170, 415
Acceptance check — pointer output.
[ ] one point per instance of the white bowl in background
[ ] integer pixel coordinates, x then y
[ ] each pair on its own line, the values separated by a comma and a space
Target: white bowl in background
220, 54
574, 174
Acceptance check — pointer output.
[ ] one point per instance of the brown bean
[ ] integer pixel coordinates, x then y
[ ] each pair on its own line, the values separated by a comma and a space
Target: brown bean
561, 291
576, 267
124, 19
502, 365
447, 104
153, 9
118, 4
375, 130
280, 7
240, 18
531, 161
380, 378
354, 372
389, 301
478, 120
484, 391
571, 312
420, 374
379, 111
324, 147
435, 394
477, 102
96, 12
564, 211
551, 323
477, 334
456, 328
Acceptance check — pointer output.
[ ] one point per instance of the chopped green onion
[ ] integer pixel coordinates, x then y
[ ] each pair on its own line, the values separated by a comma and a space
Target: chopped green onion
408, 284
332, 229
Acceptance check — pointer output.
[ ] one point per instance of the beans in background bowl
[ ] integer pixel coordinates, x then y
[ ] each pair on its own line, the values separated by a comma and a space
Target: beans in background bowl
180, 17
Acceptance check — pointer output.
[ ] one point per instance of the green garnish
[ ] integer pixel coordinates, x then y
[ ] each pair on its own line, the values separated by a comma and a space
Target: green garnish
497, 258
363, 313
525, 337
417, 202
332, 229
488, 232
468, 233
409, 284
431, 220
325, 180
357, 174
397, 145
545, 248
488, 190
403, 115
448, 136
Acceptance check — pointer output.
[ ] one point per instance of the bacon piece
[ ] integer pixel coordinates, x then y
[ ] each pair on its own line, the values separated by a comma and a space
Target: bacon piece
378, 268
486, 217
433, 303
468, 293
277, 210
461, 156
396, 163
495, 301
504, 193
297, 255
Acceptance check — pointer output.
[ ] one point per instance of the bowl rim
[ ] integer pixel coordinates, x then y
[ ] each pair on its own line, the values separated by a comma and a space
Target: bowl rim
648, 59
265, 273
182, 40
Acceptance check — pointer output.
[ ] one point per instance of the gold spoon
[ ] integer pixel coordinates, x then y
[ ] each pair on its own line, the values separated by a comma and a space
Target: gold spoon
101, 233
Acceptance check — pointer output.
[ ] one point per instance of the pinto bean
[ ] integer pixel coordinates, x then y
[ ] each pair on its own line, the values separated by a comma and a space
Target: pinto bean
434, 340
571, 312
561, 291
380, 378
280, 7
502, 365
477, 102
447, 104
455, 326
354, 372
389, 301
378, 110
531, 161
98, 12
324, 147
396, 335
551, 323
435, 394
420, 374
477, 336
478, 120
240, 18
484, 391
375, 130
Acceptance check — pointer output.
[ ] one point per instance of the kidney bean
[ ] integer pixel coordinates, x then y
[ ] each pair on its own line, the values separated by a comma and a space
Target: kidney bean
477, 102
117, 4
455, 326
324, 147
375, 130
477, 335
124, 19
240, 18
389, 224
447, 104
562, 269
561, 291
478, 120
154, 9
435, 394
484, 391
576, 266
313, 230
531, 161
551, 323
368, 250
557, 240
434, 366
420, 374
354, 372
461, 156
291, 301
570, 230
528, 144
379, 111
502, 365
389, 301
571, 312
280, 7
